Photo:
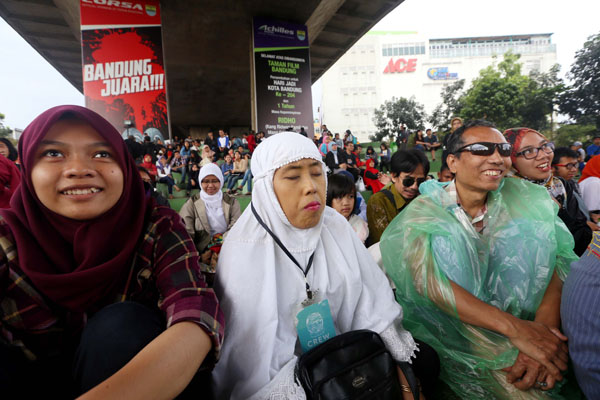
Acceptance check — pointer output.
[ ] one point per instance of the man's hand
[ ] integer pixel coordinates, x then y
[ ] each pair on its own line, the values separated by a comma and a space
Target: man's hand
543, 344
385, 179
593, 226
526, 373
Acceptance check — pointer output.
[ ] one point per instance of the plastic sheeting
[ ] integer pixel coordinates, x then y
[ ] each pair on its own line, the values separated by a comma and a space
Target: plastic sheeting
508, 266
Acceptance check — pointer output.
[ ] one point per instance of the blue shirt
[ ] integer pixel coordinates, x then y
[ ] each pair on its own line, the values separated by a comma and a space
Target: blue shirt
580, 315
226, 167
593, 150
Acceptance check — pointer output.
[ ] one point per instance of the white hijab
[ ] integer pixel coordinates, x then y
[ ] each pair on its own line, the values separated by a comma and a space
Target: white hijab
260, 288
213, 202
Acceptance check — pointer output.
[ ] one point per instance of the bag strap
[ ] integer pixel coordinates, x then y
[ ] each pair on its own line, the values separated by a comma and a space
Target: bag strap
410, 376
390, 197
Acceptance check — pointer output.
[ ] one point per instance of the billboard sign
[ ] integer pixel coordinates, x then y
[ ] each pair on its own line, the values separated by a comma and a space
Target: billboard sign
441, 74
282, 81
401, 65
123, 68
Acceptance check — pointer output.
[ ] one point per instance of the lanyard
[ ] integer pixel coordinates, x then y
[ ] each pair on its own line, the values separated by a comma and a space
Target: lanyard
309, 292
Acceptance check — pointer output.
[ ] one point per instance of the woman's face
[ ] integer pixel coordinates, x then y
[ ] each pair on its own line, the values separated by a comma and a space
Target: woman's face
538, 168
4, 149
147, 158
238, 156
75, 173
300, 189
344, 205
211, 184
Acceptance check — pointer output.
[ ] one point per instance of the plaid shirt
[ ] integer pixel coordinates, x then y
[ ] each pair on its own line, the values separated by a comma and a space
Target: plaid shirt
479, 222
164, 274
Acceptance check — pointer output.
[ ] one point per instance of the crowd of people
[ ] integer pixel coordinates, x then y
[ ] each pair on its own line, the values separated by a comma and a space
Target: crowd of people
482, 282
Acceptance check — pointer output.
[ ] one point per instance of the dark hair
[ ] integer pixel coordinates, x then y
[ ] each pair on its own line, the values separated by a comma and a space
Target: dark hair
370, 149
339, 186
427, 130
561, 152
455, 141
444, 167
384, 145
408, 160
12, 152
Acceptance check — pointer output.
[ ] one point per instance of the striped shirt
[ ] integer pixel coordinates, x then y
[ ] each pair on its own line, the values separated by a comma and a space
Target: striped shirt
580, 315
164, 274
479, 222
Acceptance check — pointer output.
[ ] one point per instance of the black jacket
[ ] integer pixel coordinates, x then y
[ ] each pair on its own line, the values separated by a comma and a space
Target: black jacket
575, 219
330, 161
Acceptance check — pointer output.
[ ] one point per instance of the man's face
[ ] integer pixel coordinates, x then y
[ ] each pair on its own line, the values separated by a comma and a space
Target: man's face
221, 133
350, 147
407, 183
597, 141
177, 155
456, 124
479, 173
445, 176
210, 135
566, 168
227, 158
428, 132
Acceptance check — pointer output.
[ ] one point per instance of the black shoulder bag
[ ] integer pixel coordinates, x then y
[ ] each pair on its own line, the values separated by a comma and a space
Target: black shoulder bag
353, 365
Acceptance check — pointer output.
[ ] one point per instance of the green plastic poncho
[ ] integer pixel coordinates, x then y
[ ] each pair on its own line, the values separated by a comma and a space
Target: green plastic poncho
508, 266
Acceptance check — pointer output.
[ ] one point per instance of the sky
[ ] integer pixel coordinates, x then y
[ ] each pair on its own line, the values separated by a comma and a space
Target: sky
29, 84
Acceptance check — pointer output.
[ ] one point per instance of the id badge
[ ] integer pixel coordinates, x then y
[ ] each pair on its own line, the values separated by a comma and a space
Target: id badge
315, 325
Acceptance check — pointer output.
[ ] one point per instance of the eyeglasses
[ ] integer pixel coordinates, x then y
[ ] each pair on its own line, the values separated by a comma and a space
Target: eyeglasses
487, 149
409, 181
530, 154
567, 166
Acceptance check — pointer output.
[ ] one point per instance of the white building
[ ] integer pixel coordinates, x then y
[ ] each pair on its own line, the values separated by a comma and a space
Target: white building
382, 65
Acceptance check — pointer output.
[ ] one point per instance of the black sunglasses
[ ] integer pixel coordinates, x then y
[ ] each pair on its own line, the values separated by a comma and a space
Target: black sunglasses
486, 148
409, 181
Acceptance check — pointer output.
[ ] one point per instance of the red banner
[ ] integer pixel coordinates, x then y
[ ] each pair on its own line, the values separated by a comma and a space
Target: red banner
123, 68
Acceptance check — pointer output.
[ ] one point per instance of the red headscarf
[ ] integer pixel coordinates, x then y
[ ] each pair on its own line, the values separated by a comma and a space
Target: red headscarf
10, 177
150, 166
514, 136
76, 263
376, 186
592, 168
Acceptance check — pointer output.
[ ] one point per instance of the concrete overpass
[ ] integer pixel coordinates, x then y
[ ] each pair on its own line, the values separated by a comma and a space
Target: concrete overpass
207, 46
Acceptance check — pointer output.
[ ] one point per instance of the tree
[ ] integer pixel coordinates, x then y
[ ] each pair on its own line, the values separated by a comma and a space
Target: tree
541, 98
497, 94
581, 100
5, 131
567, 134
394, 113
451, 106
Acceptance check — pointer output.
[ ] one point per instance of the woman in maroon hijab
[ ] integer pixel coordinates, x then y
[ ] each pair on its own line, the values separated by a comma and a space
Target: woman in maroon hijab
100, 289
